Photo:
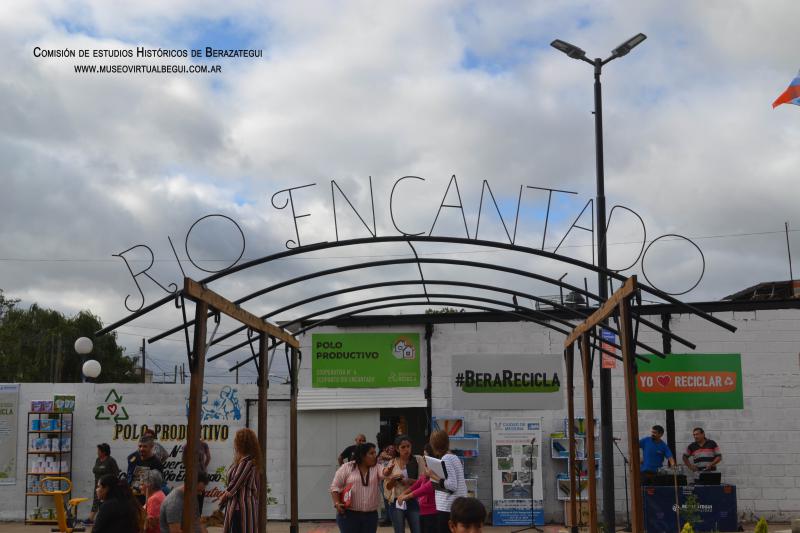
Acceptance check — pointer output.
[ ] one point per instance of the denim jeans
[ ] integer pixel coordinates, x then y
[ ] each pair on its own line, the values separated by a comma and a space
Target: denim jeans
355, 522
411, 513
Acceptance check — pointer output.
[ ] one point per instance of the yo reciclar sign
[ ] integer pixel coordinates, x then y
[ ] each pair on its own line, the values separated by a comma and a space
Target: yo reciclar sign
690, 382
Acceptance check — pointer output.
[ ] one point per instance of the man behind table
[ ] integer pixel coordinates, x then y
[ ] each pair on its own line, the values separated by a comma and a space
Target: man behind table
654, 450
704, 452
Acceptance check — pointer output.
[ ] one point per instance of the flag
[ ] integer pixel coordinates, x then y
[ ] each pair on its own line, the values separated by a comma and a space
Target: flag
791, 95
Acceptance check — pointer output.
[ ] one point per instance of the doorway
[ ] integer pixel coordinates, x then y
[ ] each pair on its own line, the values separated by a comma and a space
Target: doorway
411, 421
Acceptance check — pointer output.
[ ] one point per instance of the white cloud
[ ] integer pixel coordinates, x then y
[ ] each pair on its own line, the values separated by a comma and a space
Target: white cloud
96, 164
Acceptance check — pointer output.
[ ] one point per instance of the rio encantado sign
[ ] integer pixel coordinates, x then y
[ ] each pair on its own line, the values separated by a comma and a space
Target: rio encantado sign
407, 190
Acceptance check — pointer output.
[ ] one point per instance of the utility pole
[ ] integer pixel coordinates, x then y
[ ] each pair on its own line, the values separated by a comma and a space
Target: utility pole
143, 361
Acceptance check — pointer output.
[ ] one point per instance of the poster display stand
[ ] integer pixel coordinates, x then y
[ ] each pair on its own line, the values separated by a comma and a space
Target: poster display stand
514, 442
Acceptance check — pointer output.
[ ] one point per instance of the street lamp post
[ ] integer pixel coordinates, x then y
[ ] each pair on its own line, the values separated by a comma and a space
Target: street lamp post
606, 425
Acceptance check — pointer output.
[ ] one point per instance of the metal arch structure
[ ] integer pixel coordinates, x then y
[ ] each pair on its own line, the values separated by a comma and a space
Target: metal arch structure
419, 238
203, 311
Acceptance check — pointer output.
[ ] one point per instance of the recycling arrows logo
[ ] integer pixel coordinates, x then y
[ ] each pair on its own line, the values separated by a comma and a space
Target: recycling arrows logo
112, 408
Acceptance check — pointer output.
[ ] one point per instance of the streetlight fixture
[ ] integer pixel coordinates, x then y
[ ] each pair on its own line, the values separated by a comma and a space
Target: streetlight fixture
91, 368
607, 429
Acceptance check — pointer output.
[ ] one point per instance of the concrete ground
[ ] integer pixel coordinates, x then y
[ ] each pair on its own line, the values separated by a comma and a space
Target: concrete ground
330, 527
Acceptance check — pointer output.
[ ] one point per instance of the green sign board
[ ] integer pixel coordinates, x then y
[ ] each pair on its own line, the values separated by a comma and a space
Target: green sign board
690, 382
364, 360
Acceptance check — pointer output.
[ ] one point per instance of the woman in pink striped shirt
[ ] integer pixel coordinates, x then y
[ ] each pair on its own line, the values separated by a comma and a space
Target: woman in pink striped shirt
422, 491
365, 476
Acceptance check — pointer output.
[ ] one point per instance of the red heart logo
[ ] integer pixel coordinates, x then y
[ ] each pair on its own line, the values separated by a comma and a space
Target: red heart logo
112, 408
663, 380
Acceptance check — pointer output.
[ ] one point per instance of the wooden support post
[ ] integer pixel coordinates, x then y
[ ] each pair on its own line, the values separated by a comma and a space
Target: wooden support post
632, 413
569, 356
589, 449
294, 526
263, 386
196, 369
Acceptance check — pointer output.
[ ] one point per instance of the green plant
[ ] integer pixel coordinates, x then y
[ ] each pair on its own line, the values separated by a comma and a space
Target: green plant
690, 512
761, 526
687, 528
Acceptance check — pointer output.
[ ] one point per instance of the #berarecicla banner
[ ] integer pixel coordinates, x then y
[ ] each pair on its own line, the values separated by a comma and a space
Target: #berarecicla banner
507, 381
9, 403
365, 360
516, 472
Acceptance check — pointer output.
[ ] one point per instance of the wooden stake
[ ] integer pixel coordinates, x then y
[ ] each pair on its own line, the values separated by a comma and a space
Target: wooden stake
196, 370
263, 386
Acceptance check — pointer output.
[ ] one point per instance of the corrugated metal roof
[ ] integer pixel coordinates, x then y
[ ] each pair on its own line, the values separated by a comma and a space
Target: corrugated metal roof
327, 399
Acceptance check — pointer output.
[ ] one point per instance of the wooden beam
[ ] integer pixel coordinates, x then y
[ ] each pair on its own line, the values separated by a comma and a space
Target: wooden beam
589, 448
263, 388
605, 310
196, 370
197, 292
569, 357
632, 414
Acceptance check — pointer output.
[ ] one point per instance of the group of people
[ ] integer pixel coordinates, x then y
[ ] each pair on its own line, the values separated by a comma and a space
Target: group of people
402, 483
139, 501
702, 455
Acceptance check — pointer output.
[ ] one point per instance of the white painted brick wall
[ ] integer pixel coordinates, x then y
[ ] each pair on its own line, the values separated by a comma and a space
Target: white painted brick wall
760, 444
149, 404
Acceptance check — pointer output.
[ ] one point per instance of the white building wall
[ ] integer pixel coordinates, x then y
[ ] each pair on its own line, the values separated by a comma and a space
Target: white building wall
147, 404
760, 444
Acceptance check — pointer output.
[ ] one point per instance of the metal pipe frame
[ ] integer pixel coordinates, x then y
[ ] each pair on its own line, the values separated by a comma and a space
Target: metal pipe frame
430, 239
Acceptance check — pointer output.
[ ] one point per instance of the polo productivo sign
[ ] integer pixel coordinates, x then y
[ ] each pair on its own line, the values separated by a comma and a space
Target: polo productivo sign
690, 382
514, 381
364, 360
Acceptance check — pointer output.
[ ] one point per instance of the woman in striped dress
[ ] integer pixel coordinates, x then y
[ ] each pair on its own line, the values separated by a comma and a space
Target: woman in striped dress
244, 484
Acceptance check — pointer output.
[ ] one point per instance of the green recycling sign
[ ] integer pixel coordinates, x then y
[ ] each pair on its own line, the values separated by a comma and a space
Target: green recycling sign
365, 360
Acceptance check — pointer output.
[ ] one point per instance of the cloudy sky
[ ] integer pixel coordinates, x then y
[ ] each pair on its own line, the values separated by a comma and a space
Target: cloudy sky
94, 164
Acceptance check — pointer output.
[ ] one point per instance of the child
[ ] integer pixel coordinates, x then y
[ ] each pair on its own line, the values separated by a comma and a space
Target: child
467, 516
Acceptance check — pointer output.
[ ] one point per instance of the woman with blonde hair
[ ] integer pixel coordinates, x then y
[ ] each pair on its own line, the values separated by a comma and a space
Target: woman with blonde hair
245, 482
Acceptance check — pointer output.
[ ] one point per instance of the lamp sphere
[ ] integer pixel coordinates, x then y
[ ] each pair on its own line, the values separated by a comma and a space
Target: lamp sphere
84, 345
91, 369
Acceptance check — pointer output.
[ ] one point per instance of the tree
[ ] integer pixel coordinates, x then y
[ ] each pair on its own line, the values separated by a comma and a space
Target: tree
36, 346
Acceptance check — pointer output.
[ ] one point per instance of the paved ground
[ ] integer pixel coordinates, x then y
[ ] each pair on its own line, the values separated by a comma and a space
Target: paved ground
330, 527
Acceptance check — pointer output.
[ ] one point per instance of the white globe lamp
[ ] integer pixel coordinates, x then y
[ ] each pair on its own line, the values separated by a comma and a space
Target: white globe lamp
84, 345
91, 369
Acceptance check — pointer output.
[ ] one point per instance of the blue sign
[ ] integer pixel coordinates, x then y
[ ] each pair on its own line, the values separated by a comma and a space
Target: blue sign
716, 508
516, 513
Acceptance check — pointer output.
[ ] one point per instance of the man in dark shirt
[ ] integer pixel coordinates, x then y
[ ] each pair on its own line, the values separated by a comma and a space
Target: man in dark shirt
348, 453
139, 463
704, 453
